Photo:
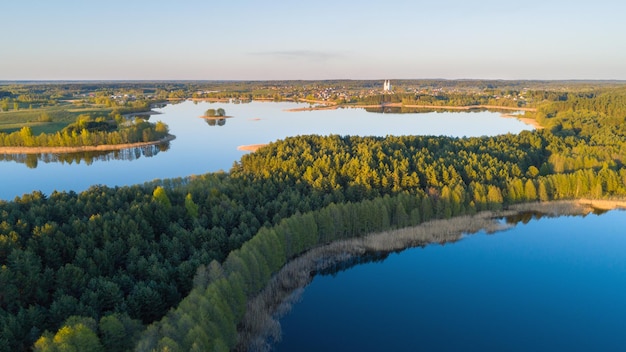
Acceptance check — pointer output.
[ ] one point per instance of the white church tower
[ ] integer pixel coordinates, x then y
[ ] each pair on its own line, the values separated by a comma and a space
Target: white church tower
387, 86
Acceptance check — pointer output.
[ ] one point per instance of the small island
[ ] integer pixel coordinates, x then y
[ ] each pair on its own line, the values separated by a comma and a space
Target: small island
215, 114
215, 117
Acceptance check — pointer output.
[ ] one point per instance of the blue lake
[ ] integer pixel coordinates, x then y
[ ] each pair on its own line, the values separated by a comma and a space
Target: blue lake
200, 148
554, 284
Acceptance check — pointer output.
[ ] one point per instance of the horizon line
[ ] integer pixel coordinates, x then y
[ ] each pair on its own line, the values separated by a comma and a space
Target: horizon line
314, 80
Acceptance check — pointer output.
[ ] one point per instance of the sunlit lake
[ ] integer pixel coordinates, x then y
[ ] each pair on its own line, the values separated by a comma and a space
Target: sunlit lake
204, 146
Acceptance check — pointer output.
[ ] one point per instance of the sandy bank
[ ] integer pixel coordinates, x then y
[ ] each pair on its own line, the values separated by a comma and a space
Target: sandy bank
251, 147
214, 117
602, 204
90, 148
526, 120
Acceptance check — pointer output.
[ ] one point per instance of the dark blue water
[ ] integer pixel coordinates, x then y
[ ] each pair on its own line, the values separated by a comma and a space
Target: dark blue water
555, 284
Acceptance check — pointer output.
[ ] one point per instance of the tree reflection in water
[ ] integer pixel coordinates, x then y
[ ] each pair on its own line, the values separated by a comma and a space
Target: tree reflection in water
215, 122
130, 154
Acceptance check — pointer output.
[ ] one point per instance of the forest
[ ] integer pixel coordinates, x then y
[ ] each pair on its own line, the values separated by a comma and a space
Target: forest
170, 265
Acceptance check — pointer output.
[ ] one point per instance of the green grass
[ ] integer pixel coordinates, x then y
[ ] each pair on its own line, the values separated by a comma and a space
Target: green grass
19, 117
36, 127
61, 116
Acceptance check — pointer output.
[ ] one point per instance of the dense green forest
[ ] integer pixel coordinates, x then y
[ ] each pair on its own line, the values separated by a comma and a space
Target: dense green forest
101, 269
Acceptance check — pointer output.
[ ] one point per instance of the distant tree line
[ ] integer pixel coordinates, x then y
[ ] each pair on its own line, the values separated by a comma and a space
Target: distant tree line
440, 99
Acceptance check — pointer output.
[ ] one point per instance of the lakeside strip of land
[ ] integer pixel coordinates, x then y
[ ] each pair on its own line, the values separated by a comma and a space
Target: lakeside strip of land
213, 100
526, 120
400, 105
251, 147
88, 148
142, 113
261, 323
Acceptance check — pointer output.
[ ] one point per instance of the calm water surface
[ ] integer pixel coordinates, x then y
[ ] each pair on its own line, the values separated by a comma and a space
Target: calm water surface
200, 147
555, 284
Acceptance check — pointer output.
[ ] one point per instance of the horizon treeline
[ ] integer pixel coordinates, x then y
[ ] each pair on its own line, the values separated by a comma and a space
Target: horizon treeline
93, 269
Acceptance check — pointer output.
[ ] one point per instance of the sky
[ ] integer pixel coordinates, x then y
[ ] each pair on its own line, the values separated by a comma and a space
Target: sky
323, 39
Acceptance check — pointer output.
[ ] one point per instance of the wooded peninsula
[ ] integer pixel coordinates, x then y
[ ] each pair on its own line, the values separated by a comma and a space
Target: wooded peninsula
182, 264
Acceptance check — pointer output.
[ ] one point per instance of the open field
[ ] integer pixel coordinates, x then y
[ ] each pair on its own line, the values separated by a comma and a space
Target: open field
60, 117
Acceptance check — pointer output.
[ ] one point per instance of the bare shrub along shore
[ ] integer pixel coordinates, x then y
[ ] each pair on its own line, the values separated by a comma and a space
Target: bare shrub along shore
260, 326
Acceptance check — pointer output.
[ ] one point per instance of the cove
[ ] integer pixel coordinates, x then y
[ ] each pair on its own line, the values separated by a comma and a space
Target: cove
203, 146
544, 285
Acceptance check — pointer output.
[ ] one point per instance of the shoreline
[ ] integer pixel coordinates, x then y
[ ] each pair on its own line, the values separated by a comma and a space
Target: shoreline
260, 323
142, 113
526, 120
251, 147
88, 148
331, 106
215, 100
471, 107
215, 117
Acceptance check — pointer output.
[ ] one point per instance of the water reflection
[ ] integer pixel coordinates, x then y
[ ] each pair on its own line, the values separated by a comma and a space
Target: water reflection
526, 216
32, 160
347, 264
215, 122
